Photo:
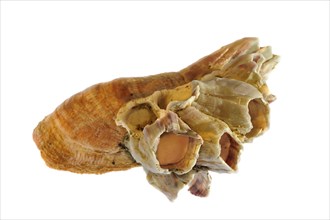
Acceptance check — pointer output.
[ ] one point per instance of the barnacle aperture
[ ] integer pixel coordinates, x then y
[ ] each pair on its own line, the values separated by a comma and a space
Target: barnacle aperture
171, 149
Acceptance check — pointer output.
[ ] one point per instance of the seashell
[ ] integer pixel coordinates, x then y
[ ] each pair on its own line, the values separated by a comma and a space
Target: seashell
81, 135
177, 125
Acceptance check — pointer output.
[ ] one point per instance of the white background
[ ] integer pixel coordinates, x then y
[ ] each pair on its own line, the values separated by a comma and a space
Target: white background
51, 50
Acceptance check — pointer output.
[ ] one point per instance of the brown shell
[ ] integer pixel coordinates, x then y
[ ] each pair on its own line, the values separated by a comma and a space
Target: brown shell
81, 135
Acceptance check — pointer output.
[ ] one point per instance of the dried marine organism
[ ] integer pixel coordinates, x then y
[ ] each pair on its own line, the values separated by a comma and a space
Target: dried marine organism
200, 124
178, 125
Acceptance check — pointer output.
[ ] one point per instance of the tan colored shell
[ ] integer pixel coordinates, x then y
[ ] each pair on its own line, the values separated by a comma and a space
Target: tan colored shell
81, 135
177, 125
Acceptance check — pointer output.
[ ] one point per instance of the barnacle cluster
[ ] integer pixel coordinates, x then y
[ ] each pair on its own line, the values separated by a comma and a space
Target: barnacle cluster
177, 133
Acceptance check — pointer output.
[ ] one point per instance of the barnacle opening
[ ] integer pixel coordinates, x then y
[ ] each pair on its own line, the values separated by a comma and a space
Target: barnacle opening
229, 150
162, 102
172, 150
140, 116
258, 112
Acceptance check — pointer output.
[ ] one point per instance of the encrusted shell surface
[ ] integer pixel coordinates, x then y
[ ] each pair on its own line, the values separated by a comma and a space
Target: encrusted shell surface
143, 144
177, 125
212, 155
252, 68
213, 113
81, 134
230, 101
